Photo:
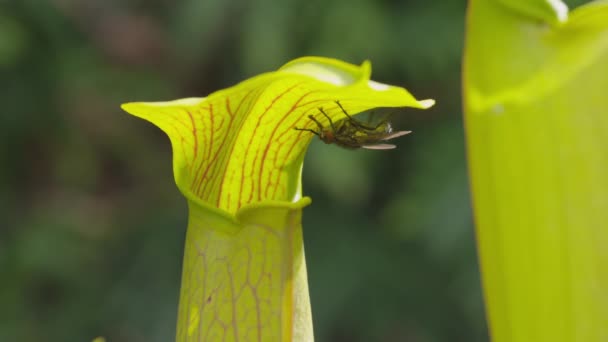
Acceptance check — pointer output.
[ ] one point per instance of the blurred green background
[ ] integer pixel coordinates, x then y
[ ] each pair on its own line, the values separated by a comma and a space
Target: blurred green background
91, 223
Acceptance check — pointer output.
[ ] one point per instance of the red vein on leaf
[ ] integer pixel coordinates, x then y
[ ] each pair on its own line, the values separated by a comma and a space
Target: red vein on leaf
182, 141
227, 156
212, 130
210, 143
270, 141
253, 136
211, 163
177, 134
290, 129
278, 178
174, 119
195, 177
218, 152
195, 147
293, 145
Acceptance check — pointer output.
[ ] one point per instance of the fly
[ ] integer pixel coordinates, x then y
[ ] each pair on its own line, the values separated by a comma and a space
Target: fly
352, 134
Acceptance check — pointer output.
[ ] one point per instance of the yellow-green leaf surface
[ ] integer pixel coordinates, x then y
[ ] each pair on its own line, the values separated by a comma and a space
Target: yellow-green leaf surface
536, 110
238, 160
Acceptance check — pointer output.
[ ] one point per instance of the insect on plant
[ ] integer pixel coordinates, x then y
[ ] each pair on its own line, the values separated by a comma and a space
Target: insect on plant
352, 134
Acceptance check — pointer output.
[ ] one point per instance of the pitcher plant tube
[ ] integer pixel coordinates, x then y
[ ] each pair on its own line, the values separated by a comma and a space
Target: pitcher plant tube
238, 161
536, 114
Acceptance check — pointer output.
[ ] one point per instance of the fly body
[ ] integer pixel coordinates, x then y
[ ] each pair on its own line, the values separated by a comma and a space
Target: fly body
352, 134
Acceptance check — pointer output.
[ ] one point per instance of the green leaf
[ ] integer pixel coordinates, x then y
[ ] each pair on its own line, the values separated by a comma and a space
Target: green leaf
536, 109
238, 160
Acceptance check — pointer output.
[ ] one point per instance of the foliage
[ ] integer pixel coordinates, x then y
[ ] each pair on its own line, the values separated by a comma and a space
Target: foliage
535, 81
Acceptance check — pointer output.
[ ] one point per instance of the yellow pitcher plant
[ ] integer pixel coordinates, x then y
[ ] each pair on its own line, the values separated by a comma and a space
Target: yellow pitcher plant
238, 161
536, 112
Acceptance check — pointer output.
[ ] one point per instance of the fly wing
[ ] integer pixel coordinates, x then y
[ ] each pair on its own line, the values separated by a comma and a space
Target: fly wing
396, 134
379, 147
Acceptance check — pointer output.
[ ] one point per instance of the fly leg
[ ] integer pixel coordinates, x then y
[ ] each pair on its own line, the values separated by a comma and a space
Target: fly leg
318, 123
355, 122
331, 123
307, 130
312, 130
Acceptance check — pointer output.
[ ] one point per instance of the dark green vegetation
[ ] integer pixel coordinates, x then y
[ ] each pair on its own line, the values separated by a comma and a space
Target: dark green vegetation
92, 226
